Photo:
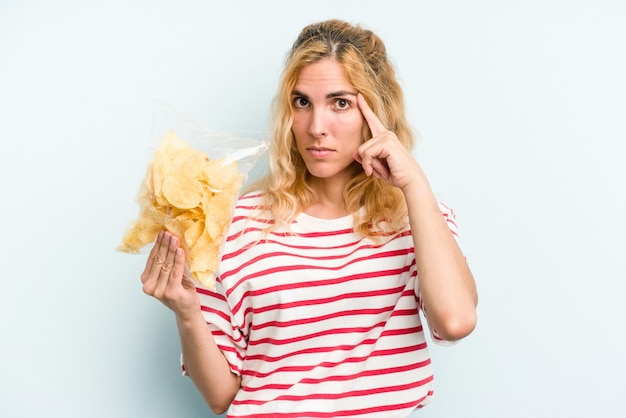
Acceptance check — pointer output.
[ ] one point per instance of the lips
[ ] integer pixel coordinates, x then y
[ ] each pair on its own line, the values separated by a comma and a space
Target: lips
320, 152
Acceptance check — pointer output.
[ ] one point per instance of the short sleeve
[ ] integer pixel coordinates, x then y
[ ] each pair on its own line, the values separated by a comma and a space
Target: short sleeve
227, 334
450, 217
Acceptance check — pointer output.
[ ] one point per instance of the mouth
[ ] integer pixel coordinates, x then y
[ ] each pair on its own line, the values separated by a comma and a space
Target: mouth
320, 152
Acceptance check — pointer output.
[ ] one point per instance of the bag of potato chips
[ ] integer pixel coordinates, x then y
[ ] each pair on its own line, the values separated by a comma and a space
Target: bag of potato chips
191, 185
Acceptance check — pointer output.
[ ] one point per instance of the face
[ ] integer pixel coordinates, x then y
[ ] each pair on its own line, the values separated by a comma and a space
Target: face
327, 123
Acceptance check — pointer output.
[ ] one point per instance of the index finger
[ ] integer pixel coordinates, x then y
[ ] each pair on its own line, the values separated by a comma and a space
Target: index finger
376, 126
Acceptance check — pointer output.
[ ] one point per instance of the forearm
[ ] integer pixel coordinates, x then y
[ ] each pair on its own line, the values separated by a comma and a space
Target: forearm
205, 363
446, 284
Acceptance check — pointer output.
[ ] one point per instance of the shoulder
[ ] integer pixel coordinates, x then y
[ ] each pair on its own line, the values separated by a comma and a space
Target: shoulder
250, 208
249, 201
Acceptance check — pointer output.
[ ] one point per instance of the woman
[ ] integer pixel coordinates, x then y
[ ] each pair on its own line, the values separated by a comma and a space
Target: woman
329, 258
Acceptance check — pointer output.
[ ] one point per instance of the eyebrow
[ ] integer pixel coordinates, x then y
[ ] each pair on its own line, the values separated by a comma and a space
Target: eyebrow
332, 95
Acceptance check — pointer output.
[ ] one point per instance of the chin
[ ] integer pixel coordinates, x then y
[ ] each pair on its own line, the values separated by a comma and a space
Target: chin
325, 171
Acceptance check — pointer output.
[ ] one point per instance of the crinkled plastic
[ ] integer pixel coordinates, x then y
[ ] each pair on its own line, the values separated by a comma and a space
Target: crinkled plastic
192, 182
245, 147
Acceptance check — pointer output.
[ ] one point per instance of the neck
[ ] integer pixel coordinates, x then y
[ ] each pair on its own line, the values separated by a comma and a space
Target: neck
329, 202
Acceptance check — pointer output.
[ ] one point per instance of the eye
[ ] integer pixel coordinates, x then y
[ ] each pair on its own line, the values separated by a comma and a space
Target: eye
342, 104
300, 102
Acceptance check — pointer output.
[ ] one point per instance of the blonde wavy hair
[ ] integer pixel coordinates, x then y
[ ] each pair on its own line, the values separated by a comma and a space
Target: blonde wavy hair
378, 208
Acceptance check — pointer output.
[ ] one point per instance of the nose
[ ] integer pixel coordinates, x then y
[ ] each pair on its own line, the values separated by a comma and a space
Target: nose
318, 123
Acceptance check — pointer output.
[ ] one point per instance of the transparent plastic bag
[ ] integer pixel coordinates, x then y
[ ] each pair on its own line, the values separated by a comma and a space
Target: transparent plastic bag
192, 183
245, 147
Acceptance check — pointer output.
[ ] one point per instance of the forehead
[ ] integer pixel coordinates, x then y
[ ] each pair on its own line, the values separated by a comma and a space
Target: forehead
327, 74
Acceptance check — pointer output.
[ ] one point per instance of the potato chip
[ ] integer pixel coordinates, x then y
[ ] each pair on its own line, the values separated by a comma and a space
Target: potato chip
193, 233
190, 195
181, 192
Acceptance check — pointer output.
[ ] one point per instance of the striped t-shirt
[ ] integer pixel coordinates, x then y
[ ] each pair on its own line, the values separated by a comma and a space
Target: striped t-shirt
318, 321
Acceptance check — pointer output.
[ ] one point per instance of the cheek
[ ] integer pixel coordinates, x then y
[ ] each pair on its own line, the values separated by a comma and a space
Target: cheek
299, 138
298, 126
354, 128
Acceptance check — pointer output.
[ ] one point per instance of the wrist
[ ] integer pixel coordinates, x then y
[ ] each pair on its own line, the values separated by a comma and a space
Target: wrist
189, 318
419, 191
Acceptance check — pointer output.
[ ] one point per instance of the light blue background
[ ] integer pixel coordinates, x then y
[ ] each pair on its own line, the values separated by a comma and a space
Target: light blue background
521, 107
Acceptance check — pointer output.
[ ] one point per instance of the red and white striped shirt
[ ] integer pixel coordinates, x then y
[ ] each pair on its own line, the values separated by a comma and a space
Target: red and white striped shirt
318, 321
